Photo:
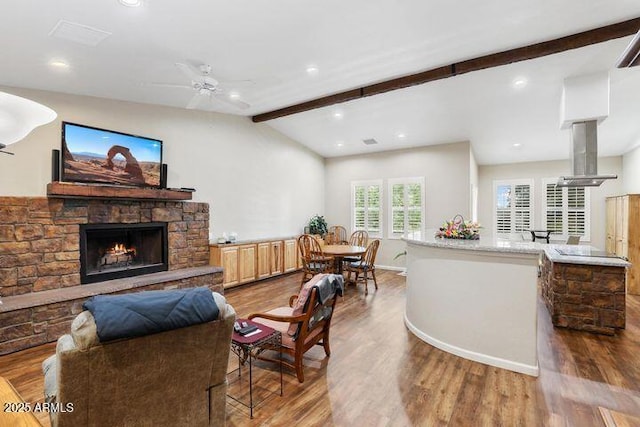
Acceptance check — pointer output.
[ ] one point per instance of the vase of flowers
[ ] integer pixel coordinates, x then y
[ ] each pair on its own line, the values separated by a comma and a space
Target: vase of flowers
458, 228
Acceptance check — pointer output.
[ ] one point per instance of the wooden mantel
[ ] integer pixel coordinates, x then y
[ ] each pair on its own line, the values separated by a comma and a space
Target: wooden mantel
70, 190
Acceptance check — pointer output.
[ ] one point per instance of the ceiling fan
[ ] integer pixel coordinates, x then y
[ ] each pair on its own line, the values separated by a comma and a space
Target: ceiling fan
207, 87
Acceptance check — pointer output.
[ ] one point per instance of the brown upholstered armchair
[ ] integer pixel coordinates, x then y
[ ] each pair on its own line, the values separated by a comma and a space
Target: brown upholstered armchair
171, 378
307, 320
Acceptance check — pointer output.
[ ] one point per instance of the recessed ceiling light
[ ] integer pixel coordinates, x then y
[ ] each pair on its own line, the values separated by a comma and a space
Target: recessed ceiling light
339, 144
517, 145
338, 115
131, 3
59, 64
401, 135
312, 70
234, 95
520, 82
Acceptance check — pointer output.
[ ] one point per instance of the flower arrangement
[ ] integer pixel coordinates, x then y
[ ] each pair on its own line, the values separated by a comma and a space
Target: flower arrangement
458, 228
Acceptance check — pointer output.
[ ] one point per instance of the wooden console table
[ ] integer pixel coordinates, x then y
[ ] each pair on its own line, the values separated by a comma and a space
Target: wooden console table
13, 418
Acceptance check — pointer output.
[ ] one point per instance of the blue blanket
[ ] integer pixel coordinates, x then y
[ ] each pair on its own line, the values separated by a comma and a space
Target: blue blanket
144, 313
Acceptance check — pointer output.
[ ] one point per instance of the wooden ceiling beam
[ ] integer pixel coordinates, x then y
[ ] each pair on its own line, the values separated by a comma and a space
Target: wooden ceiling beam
537, 50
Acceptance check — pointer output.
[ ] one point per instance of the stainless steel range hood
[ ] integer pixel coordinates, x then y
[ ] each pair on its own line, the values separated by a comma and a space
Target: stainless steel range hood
584, 157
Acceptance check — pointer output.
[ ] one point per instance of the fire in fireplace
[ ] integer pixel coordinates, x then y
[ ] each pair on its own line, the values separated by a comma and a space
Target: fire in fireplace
113, 251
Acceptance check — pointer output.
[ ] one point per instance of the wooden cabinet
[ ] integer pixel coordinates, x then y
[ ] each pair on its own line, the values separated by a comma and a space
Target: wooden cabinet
290, 255
227, 258
622, 239
264, 261
247, 263
275, 253
250, 261
610, 242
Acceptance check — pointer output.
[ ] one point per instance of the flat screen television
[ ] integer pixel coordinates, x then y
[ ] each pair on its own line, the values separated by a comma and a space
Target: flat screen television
104, 156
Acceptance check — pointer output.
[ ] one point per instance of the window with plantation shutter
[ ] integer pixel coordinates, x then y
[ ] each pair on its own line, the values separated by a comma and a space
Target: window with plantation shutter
566, 210
406, 207
513, 207
366, 207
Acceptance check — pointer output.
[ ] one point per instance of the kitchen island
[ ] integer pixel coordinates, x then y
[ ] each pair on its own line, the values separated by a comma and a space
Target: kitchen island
583, 290
478, 298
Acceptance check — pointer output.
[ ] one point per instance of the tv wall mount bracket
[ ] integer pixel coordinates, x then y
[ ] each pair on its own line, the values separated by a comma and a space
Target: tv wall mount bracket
2, 146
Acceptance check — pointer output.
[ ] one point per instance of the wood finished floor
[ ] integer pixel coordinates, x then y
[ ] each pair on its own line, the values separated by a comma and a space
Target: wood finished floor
379, 374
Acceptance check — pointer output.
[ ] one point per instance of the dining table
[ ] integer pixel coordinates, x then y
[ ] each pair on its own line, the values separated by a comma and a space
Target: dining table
339, 252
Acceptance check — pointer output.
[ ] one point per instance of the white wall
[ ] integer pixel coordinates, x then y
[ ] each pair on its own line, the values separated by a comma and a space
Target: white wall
631, 171
473, 182
447, 186
258, 182
540, 170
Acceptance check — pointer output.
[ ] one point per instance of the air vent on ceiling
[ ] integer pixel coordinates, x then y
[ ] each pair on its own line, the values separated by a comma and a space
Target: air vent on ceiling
370, 141
78, 33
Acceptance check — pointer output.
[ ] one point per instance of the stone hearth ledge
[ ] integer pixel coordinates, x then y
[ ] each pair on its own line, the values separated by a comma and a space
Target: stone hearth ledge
35, 299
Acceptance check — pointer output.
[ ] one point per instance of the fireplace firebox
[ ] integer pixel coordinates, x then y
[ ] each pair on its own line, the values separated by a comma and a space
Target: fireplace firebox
113, 251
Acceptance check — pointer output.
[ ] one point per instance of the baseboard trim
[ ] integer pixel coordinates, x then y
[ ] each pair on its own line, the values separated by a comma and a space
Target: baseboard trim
472, 355
390, 267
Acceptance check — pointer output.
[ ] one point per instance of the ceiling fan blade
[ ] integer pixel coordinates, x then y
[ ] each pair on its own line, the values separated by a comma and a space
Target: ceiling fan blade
189, 72
229, 85
168, 85
194, 101
234, 102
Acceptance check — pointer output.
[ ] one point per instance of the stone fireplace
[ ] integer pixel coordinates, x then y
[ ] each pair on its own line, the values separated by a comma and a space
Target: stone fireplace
113, 251
41, 261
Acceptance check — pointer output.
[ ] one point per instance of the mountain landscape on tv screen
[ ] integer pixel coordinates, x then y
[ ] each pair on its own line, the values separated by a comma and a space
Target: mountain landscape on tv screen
116, 166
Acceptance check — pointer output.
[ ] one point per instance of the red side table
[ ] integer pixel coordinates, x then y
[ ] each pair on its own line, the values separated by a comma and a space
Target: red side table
248, 348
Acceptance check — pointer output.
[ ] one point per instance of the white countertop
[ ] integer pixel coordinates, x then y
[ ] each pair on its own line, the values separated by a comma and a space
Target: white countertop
491, 244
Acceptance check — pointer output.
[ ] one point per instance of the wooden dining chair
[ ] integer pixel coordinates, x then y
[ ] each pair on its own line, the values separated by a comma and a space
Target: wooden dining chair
314, 261
365, 267
338, 235
358, 238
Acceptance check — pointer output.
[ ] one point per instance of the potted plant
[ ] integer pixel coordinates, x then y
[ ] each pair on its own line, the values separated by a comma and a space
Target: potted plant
318, 225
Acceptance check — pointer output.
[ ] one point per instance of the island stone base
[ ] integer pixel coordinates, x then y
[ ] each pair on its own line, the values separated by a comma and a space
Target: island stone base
584, 297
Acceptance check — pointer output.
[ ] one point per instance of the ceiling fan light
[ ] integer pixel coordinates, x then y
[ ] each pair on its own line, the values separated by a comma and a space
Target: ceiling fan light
19, 116
131, 3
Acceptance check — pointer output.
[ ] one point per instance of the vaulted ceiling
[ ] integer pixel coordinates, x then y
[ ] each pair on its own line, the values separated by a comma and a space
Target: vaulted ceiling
266, 51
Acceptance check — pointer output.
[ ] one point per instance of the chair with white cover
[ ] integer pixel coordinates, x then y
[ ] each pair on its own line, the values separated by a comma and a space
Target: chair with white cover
573, 240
